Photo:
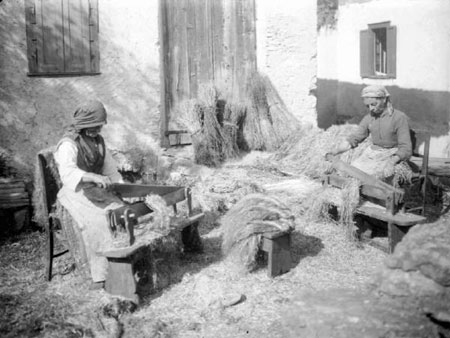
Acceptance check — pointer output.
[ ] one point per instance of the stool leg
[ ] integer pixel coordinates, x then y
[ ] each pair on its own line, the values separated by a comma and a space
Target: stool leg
395, 234
120, 280
279, 252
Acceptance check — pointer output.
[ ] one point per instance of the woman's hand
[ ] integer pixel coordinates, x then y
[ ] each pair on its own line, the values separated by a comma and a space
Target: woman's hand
100, 180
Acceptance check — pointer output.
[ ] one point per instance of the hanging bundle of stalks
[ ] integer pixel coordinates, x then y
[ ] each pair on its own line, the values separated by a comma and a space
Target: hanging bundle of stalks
258, 126
244, 224
39, 188
345, 200
5, 159
214, 141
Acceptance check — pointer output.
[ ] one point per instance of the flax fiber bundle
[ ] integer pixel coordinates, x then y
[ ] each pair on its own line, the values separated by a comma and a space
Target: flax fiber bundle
304, 152
213, 140
345, 199
267, 121
244, 224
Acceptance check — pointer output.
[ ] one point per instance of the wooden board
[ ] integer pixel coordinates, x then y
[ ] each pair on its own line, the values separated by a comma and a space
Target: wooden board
142, 190
130, 250
400, 218
437, 166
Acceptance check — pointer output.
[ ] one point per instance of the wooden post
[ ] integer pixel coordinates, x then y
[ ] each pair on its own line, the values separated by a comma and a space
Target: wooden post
164, 71
121, 280
278, 248
395, 234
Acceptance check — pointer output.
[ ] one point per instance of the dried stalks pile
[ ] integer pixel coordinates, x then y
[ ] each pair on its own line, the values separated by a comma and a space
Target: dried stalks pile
222, 125
219, 192
5, 160
304, 152
213, 140
245, 223
345, 200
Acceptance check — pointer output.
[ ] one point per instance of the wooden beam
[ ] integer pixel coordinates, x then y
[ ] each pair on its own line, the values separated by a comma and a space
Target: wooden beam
437, 166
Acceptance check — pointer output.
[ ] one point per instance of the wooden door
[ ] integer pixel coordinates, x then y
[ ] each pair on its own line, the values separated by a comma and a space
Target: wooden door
202, 42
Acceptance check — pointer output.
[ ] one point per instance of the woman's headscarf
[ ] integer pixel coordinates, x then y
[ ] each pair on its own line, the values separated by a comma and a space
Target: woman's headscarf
88, 115
374, 91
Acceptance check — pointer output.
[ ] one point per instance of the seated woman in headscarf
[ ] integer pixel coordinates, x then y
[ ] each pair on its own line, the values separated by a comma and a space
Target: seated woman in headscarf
87, 169
390, 136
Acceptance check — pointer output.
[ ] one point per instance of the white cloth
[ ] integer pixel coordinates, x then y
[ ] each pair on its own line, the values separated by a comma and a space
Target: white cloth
66, 159
94, 226
373, 160
91, 218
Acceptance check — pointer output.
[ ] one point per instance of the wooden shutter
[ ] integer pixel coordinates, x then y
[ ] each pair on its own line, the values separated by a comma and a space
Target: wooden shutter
391, 47
62, 36
366, 53
47, 42
80, 35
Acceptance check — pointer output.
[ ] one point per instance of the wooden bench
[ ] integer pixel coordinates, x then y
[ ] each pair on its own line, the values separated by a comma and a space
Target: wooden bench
277, 245
388, 209
122, 262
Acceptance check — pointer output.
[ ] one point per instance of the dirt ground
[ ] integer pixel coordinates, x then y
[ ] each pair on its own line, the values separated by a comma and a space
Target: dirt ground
327, 293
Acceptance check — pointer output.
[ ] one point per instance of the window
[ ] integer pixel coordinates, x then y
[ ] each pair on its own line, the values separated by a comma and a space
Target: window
378, 49
62, 37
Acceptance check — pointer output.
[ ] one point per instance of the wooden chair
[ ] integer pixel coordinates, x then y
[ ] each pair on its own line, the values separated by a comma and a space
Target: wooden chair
420, 176
49, 186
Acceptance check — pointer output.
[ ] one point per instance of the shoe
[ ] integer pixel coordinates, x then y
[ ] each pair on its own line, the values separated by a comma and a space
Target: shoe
97, 286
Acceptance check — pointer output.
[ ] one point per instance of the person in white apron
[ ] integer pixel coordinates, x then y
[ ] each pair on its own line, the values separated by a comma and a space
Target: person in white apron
87, 169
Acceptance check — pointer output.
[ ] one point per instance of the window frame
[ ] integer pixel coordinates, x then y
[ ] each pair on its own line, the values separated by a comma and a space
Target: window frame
62, 38
368, 51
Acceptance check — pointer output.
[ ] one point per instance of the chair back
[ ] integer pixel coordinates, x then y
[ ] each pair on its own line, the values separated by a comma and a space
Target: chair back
47, 185
417, 138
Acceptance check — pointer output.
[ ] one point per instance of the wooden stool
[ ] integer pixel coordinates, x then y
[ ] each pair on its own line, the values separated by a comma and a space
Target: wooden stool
123, 263
278, 248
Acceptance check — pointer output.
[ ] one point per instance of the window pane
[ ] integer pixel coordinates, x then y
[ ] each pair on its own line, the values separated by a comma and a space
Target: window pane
380, 50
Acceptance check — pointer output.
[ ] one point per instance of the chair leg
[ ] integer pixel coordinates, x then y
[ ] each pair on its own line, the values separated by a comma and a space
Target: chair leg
50, 248
424, 195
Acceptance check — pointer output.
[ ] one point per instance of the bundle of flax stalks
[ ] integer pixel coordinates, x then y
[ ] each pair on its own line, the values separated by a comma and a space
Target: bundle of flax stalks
304, 154
213, 140
244, 224
222, 124
264, 121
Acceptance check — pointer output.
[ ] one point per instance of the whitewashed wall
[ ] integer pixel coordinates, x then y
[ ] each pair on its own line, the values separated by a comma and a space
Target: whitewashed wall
286, 52
422, 83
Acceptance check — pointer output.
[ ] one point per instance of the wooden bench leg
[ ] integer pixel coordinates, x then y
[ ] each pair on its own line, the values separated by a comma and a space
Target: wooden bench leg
191, 238
120, 280
279, 254
395, 234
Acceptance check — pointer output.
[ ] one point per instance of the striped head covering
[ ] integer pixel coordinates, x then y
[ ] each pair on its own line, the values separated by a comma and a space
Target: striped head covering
91, 114
374, 91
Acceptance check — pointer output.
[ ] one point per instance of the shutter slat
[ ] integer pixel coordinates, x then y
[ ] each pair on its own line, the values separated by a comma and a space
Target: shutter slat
30, 19
49, 36
366, 45
76, 36
391, 37
93, 36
